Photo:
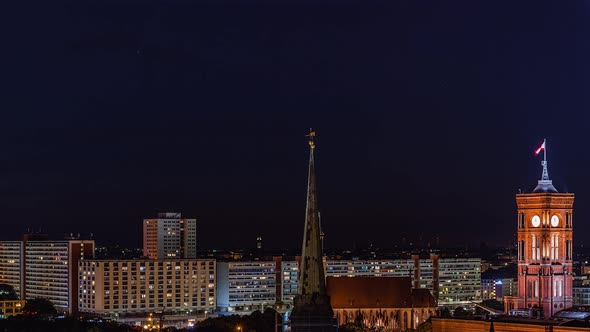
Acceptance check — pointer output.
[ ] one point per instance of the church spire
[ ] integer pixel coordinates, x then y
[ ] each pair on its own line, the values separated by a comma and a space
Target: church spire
312, 299
312, 269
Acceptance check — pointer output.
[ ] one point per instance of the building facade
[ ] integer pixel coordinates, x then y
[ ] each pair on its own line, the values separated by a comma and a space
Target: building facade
44, 269
581, 291
387, 304
288, 281
170, 236
473, 325
132, 287
10, 305
459, 281
461, 284
51, 271
11, 265
243, 287
545, 242
497, 289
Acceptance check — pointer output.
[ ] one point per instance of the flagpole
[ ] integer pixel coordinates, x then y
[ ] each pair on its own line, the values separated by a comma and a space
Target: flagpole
545, 150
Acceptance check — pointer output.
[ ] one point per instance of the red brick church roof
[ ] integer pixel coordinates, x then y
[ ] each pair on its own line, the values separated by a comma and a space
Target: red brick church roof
376, 292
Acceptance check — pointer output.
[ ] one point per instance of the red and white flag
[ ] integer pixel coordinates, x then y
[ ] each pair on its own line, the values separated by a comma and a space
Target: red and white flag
539, 149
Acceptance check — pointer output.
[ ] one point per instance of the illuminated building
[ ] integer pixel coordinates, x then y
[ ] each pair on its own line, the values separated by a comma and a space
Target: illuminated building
39, 268
497, 289
11, 265
169, 236
245, 286
453, 281
10, 305
460, 283
51, 271
128, 287
545, 234
488, 289
510, 325
288, 282
384, 304
581, 291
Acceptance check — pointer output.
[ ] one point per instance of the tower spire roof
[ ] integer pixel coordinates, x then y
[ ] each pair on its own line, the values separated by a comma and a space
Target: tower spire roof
545, 185
312, 297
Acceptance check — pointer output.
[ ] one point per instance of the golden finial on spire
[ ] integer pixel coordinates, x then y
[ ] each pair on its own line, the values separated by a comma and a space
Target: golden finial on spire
311, 136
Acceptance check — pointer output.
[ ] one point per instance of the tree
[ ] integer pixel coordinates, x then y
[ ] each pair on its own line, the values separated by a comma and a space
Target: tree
425, 327
460, 312
494, 304
351, 327
39, 306
445, 312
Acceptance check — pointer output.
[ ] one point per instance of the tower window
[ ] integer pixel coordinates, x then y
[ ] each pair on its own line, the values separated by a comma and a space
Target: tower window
521, 220
554, 247
536, 249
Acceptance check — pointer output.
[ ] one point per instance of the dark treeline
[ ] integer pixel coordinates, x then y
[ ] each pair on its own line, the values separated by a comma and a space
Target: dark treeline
255, 322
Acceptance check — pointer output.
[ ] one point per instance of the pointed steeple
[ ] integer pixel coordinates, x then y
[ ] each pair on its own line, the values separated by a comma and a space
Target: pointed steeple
312, 297
311, 256
545, 185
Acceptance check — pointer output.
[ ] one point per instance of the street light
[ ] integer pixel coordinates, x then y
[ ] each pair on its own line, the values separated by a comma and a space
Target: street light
239, 328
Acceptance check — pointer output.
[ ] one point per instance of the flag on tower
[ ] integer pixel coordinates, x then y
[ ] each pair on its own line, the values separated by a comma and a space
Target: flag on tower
539, 149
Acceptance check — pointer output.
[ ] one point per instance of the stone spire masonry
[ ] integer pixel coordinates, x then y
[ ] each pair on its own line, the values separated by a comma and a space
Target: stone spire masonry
312, 310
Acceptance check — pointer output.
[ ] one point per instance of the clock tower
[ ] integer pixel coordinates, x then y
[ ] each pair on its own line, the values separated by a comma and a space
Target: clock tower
544, 245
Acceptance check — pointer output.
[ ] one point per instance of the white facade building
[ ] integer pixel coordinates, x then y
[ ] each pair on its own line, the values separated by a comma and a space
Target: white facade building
51, 271
11, 265
453, 281
132, 287
246, 286
459, 281
289, 282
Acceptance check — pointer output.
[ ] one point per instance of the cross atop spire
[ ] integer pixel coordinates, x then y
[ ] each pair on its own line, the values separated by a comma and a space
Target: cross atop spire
311, 136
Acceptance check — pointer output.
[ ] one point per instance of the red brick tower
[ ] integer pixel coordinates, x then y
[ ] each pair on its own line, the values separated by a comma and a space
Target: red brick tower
544, 248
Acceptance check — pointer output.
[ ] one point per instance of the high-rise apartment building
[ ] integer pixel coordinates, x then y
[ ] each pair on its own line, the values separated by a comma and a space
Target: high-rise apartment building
127, 287
453, 281
459, 281
51, 270
496, 289
289, 282
169, 236
39, 268
11, 266
245, 286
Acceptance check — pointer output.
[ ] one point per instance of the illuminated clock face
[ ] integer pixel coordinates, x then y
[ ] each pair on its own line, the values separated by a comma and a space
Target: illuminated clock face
536, 221
555, 221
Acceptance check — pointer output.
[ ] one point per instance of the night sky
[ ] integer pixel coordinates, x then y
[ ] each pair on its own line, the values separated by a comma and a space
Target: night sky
427, 115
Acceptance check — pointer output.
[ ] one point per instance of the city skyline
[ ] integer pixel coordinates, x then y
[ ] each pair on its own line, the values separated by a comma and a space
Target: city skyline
426, 119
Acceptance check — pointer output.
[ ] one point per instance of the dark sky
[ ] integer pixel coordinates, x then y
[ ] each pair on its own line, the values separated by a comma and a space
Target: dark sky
427, 116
